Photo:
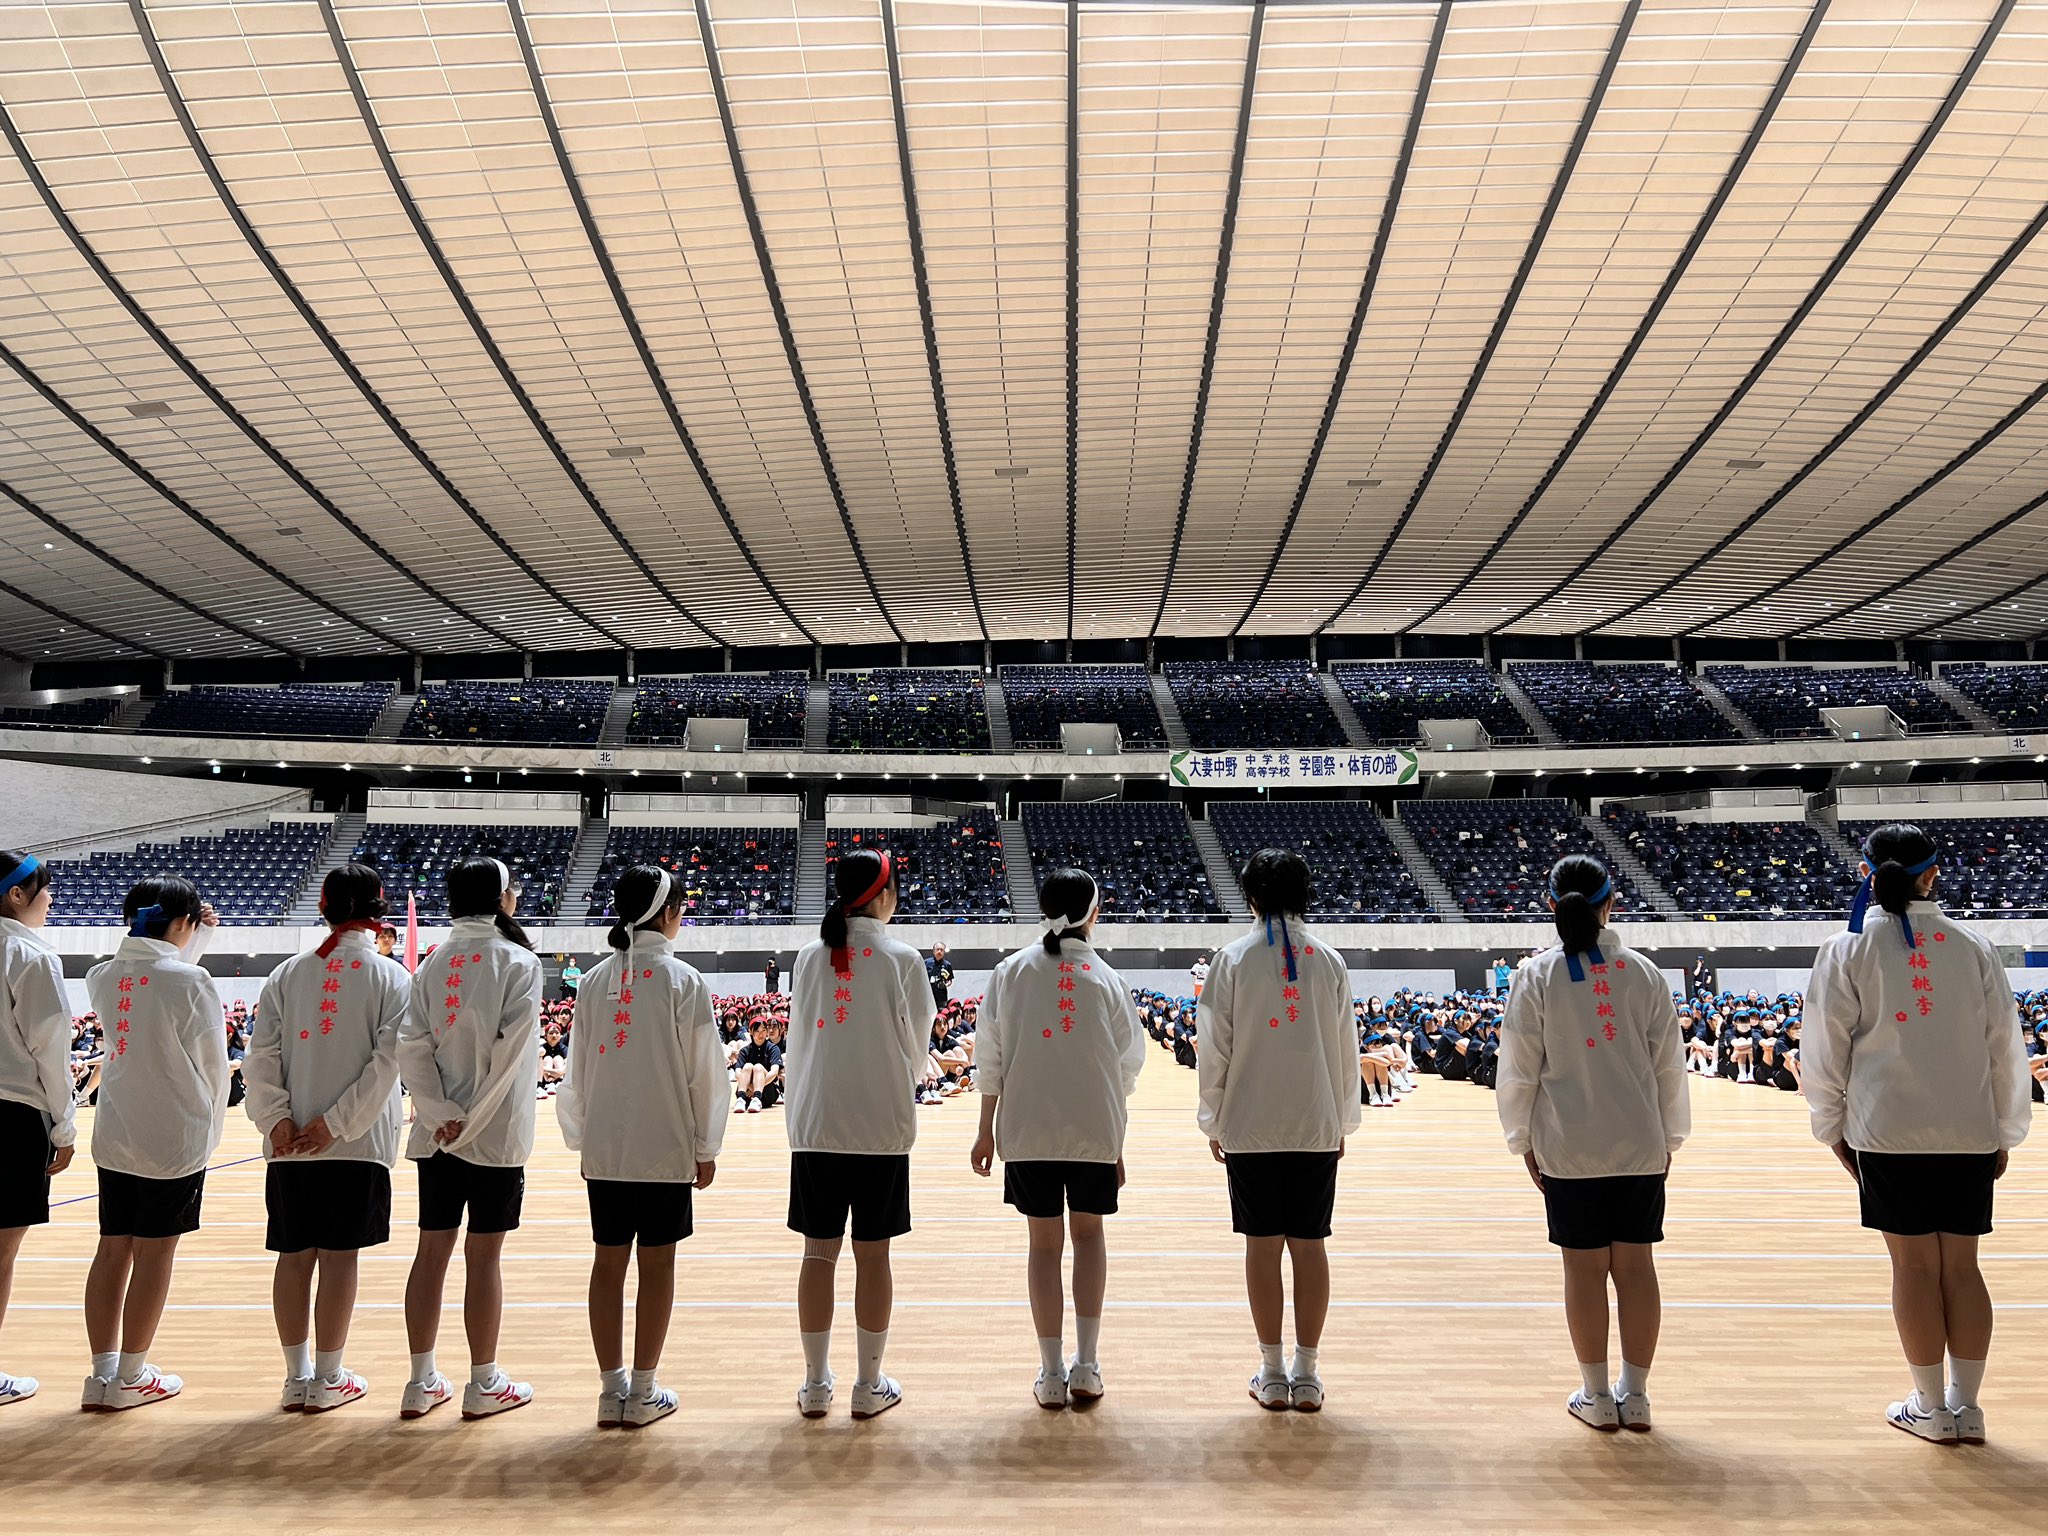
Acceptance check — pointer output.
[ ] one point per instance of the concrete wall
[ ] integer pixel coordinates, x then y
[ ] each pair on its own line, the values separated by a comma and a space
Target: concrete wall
49, 806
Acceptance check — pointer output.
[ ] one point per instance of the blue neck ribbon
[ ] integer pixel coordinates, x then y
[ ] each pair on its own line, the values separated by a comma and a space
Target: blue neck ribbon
1573, 968
1286, 943
1861, 904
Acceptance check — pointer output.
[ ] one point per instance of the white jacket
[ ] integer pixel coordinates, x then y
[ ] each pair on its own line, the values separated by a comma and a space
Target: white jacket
325, 1043
1059, 1047
857, 1045
35, 1029
1277, 1060
1591, 1076
645, 1092
164, 1090
469, 1045
1914, 1050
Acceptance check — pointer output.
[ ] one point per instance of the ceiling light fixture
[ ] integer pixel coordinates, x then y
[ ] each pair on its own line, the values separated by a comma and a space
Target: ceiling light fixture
1012, 472
148, 408
1364, 485
626, 452
1745, 463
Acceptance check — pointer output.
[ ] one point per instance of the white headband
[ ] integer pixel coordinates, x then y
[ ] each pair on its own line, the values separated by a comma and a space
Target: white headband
1057, 923
660, 900
504, 876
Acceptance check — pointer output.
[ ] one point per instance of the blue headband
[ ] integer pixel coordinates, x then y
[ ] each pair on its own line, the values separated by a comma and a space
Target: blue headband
139, 929
29, 865
1861, 904
1286, 943
1571, 961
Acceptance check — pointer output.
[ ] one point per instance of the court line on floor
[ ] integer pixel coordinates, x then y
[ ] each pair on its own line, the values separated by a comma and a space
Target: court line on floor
984, 1303
1233, 1255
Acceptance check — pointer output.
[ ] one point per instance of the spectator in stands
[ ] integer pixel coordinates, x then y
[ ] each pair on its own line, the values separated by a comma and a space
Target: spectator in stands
771, 977
1278, 1069
1597, 1125
37, 1128
758, 1083
940, 973
1054, 1106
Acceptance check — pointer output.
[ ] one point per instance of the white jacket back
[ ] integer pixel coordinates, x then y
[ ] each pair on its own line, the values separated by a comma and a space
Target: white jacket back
35, 1029
324, 1042
164, 1090
858, 1043
1059, 1046
1277, 1059
1914, 1050
646, 1090
1591, 1075
470, 1048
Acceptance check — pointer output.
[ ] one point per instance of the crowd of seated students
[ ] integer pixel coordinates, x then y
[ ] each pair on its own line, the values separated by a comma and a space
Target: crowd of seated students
65, 715
296, 709
1787, 701
1039, 700
1598, 702
1765, 868
1142, 854
2016, 696
1227, 704
1990, 867
1496, 855
772, 703
534, 709
415, 857
1358, 872
728, 874
250, 874
1392, 698
909, 709
952, 871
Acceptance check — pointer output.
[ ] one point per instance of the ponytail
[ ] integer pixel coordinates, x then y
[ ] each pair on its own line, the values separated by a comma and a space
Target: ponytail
1579, 887
1070, 898
1898, 854
475, 887
1275, 882
647, 890
858, 878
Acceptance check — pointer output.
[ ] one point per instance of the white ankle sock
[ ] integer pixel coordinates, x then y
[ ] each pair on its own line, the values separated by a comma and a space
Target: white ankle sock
615, 1382
868, 1349
817, 1355
1635, 1379
1052, 1358
1593, 1373
1965, 1380
1272, 1361
1929, 1382
298, 1360
423, 1367
641, 1384
1304, 1368
481, 1376
132, 1362
327, 1364
105, 1363
1087, 1339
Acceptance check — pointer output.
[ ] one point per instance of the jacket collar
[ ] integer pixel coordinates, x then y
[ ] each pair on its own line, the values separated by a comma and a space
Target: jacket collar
20, 930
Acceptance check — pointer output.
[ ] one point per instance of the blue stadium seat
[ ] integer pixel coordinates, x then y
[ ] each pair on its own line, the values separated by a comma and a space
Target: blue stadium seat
2015, 696
728, 874
1990, 866
1229, 704
772, 703
1391, 698
909, 709
1496, 855
1787, 701
1142, 852
538, 709
1041, 699
416, 857
1597, 701
1738, 868
67, 715
312, 709
1354, 869
951, 871
250, 874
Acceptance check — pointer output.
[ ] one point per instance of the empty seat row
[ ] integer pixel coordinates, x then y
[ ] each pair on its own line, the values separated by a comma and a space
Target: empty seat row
66, 715
310, 709
250, 874
1731, 868
415, 858
2015, 696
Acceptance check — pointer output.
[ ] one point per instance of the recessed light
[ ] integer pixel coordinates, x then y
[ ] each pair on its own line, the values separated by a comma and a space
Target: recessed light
291, 533
1364, 485
1012, 472
1745, 463
626, 452
148, 408
52, 546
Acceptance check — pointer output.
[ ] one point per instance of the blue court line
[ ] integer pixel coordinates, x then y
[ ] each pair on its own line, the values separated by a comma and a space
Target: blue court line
214, 1168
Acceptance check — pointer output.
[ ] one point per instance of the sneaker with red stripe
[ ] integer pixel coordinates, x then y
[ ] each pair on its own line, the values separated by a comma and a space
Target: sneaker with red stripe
151, 1386
324, 1396
500, 1396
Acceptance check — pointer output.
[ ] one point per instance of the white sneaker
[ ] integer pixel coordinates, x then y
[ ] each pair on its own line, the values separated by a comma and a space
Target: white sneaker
1051, 1391
1633, 1409
1969, 1422
1305, 1394
643, 1411
293, 1398
1916, 1418
1084, 1381
871, 1399
611, 1410
152, 1386
16, 1389
501, 1396
325, 1396
739, 1106
753, 1106
1596, 1411
1272, 1391
814, 1397
423, 1397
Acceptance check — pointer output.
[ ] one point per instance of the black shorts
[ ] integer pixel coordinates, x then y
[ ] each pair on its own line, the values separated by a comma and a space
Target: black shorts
623, 1213
449, 1183
131, 1206
25, 1154
335, 1204
825, 1187
1911, 1194
1282, 1194
1596, 1213
1049, 1187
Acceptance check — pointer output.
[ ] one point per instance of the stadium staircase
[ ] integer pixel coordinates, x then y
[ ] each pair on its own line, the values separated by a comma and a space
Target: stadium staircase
1017, 869
1169, 715
1425, 873
1222, 878
304, 911
1539, 723
618, 717
1963, 705
1828, 824
1717, 697
1625, 860
1354, 728
583, 862
817, 727
999, 736
130, 715
810, 861
393, 718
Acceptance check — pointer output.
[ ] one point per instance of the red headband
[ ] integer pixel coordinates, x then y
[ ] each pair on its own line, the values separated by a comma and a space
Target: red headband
842, 958
365, 924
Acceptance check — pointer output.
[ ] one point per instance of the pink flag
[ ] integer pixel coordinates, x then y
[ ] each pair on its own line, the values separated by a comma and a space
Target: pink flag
412, 933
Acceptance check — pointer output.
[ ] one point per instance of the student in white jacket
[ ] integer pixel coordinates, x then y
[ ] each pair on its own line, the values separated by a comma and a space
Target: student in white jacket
860, 1018
1916, 1078
466, 1056
1057, 1056
322, 1080
1279, 1084
36, 1124
162, 1105
1591, 1093
643, 1100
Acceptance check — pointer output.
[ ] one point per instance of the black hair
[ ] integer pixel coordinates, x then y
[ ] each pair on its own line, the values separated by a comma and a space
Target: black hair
352, 893
1065, 892
32, 884
177, 896
630, 896
1892, 850
1573, 881
1275, 882
854, 873
473, 891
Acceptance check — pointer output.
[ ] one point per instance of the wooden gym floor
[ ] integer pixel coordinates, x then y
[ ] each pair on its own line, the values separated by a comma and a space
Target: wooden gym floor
1446, 1361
